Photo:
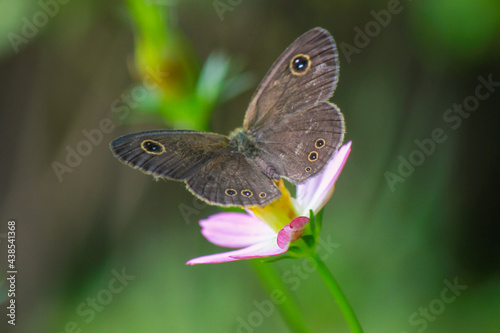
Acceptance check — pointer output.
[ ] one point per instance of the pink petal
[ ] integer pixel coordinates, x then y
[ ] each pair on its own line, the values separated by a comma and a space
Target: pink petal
291, 231
299, 222
235, 230
314, 193
265, 248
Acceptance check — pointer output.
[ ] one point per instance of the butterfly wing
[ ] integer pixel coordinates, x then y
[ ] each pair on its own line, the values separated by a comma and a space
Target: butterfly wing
300, 145
298, 131
304, 75
231, 179
168, 153
288, 117
213, 171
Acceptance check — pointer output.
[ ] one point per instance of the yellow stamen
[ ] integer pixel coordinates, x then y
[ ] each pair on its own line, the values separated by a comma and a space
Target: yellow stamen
278, 213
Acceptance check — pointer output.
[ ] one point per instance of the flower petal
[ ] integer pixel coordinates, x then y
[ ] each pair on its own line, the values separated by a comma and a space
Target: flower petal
291, 232
235, 230
314, 193
298, 223
265, 248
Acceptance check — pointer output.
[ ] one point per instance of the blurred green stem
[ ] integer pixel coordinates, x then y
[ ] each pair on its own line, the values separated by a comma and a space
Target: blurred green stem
336, 292
273, 282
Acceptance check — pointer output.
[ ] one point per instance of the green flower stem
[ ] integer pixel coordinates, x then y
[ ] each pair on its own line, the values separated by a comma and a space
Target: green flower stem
337, 293
273, 282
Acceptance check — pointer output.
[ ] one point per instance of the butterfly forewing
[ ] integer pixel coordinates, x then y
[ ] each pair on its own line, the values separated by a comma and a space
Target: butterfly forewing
170, 154
304, 75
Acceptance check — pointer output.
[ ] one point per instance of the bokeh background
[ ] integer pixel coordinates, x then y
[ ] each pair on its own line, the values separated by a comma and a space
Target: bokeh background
70, 68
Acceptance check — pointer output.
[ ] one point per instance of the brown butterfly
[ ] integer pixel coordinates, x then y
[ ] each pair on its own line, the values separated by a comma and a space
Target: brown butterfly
290, 130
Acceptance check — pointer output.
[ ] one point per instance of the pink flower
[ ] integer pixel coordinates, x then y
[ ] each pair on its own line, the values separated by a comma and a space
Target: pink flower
269, 231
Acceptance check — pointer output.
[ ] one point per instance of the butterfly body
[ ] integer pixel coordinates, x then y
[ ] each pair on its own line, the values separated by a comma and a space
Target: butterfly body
243, 142
290, 131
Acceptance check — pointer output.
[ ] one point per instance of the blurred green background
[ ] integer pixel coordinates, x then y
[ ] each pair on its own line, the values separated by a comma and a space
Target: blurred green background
70, 68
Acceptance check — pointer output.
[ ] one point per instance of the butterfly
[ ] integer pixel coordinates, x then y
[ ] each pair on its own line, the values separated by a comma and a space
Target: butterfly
290, 131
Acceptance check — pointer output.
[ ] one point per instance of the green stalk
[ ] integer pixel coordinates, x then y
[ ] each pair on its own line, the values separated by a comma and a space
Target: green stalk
289, 308
336, 292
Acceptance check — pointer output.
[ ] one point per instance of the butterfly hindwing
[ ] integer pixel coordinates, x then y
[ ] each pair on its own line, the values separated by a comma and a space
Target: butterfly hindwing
303, 142
231, 179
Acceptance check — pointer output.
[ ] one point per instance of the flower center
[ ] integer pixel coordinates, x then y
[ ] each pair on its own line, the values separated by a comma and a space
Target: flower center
278, 213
